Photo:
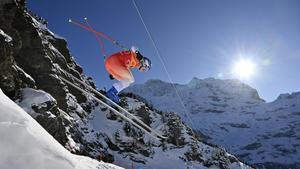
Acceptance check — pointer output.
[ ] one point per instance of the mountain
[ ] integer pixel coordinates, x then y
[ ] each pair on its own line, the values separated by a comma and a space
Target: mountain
31, 57
231, 114
25, 144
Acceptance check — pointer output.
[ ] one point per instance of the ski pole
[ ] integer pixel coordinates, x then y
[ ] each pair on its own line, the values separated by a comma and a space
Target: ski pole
101, 44
99, 34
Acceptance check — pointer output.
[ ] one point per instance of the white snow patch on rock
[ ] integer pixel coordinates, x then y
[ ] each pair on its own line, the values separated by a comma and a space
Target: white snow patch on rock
32, 97
7, 38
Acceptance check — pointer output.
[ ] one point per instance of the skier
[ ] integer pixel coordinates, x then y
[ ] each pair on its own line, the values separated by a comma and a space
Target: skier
119, 67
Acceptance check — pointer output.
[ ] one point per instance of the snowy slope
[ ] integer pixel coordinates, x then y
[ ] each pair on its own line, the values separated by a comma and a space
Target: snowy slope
135, 148
25, 144
207, 101
231, 114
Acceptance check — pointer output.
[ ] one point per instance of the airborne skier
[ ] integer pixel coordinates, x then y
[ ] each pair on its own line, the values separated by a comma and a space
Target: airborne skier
119, 67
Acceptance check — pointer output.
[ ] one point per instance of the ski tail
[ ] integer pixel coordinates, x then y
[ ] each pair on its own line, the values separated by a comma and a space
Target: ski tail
111, 108
129, 117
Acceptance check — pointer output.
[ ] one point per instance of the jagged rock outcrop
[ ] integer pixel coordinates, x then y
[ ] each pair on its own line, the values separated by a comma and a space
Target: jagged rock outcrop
12, 77
28, 60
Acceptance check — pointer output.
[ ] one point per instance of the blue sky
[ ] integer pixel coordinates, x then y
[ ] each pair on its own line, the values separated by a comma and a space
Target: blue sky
197, 38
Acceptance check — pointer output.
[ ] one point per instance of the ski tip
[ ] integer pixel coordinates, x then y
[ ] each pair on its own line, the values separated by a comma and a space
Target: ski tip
69, 20
85, 18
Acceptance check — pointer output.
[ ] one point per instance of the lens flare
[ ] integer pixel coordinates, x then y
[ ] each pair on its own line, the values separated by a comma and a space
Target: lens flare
243, 68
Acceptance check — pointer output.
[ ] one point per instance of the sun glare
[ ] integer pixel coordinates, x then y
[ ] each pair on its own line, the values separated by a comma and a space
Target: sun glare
243, 68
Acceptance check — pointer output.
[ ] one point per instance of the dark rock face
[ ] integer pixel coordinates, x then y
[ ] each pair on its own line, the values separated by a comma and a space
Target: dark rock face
175, 129
7, 71
142, 112
33, 49
12, 77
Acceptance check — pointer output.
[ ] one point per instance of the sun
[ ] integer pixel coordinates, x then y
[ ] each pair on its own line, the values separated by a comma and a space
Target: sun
243, 68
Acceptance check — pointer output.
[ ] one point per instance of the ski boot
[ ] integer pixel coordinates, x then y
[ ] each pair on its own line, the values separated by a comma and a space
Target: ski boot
112, 94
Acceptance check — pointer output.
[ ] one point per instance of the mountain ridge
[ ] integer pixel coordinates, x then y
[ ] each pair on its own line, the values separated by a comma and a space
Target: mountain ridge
231, 114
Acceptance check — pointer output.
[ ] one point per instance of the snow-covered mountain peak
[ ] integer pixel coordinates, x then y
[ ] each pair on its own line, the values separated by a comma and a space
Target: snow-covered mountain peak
209, 91
232, 87
231, 113
285, 96
211, 80
155, 82
156, 87
196, 81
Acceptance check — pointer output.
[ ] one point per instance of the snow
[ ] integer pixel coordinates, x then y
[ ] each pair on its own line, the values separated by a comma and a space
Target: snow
25, 144
162, 159
232, 115
237, 165
32, 97
7, 38
26, 75
43, 27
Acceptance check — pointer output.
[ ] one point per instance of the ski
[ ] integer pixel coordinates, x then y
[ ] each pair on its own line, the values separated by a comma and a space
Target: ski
114, 104
113, 109
129, 117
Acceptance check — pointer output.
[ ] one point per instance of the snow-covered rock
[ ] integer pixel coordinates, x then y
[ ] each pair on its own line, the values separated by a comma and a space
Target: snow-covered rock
25, 144
6, 37
34, 101
131, 146
231, 114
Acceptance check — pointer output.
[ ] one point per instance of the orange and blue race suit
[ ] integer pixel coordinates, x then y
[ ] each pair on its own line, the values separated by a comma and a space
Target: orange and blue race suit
119, 65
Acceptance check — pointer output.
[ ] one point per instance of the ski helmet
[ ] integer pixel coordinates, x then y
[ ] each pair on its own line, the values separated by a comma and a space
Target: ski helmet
134, 49
145, 64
